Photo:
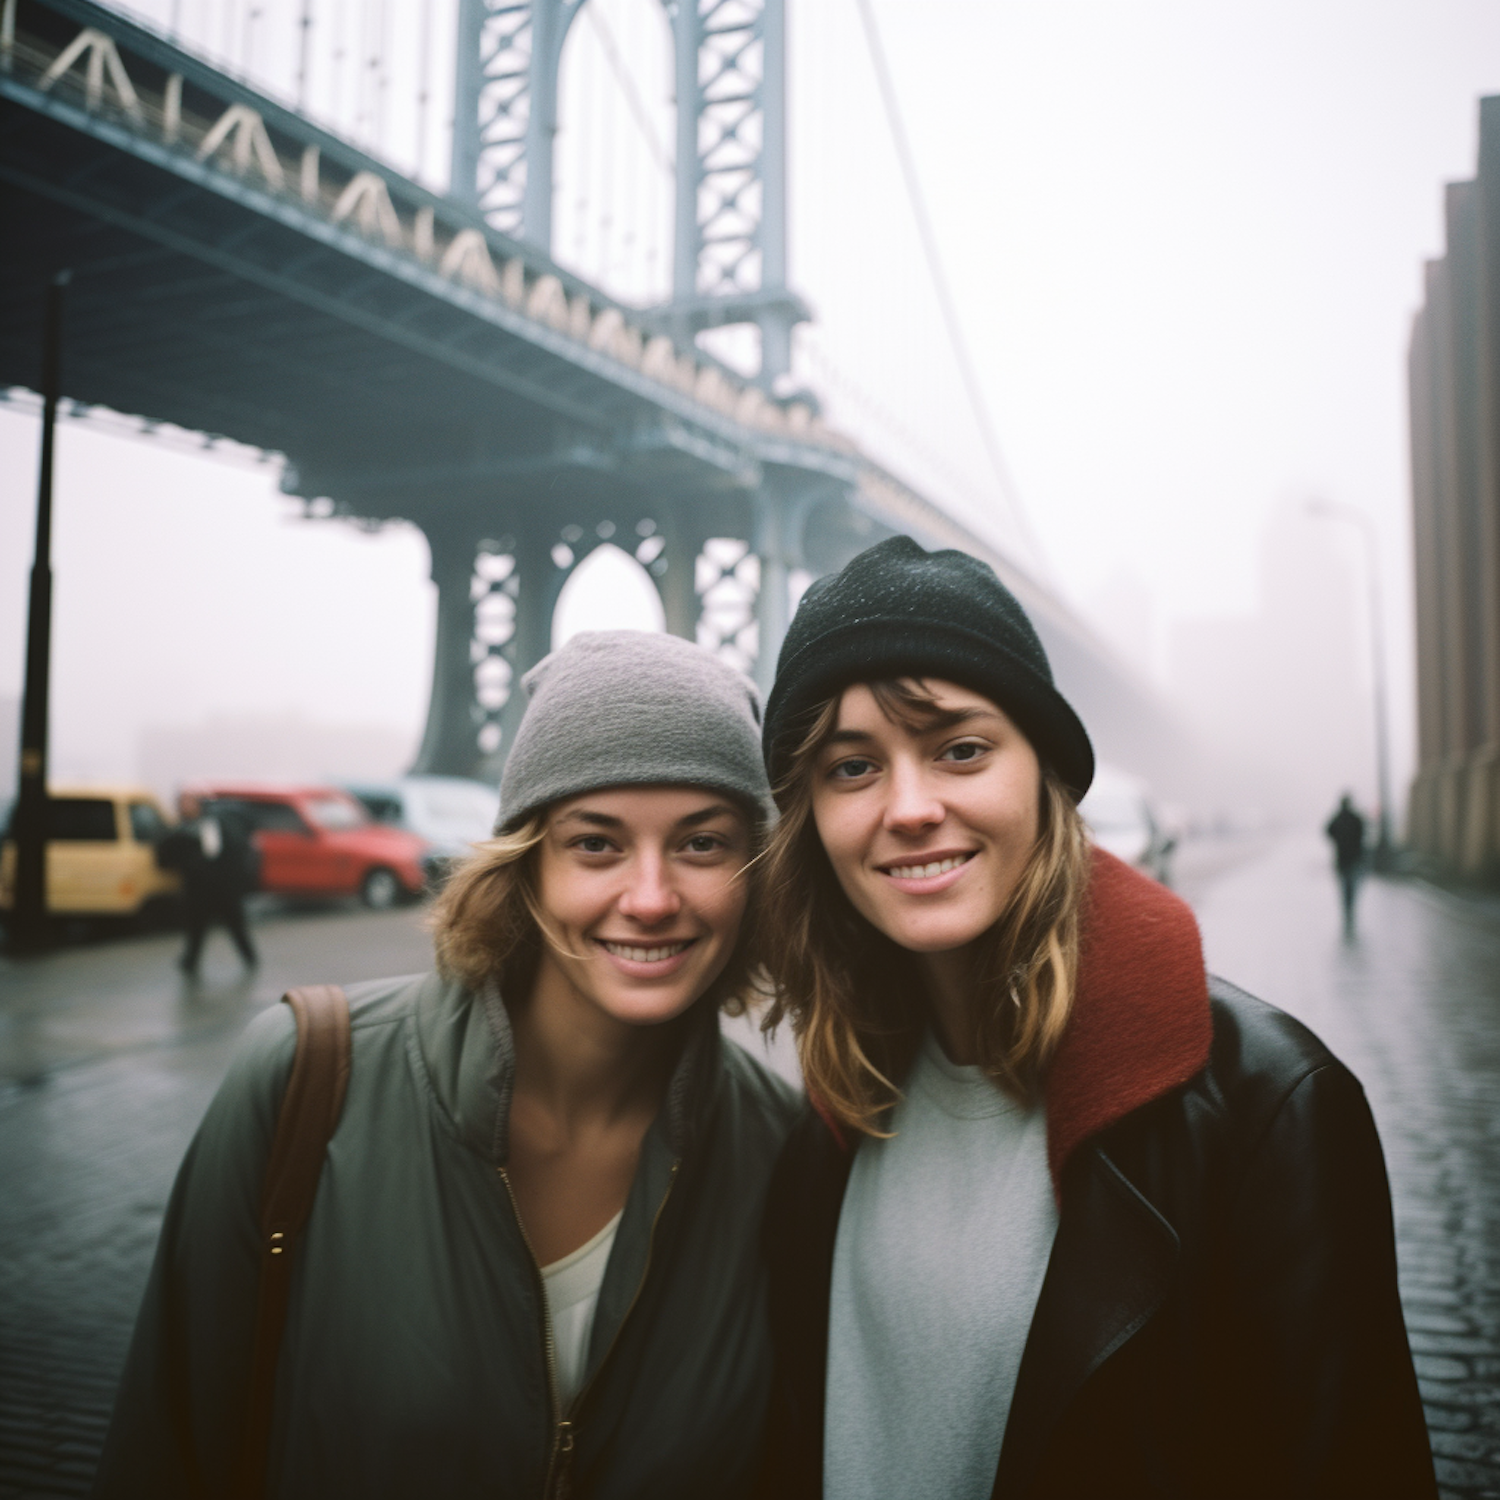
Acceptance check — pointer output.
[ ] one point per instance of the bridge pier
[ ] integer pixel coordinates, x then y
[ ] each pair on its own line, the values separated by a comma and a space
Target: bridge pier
779, 518
497, 596
496, 599
539, 581
677, 582
448, 740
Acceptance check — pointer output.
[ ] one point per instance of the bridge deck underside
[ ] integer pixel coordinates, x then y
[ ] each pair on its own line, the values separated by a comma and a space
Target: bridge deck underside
188, 306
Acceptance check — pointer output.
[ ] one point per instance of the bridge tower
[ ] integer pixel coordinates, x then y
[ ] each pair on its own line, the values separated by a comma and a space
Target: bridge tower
720, 549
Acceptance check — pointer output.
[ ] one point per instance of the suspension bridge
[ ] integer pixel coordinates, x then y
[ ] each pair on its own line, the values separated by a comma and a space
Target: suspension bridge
415, 350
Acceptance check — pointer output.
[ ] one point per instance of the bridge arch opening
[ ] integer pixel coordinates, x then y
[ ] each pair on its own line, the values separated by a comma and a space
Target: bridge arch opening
608, 590
613, 175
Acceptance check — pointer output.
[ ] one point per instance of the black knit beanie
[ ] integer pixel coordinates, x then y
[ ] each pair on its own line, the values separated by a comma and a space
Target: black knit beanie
899, 611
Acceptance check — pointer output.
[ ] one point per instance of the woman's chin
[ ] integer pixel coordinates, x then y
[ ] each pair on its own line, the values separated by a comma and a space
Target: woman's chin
933, 932
643, 1007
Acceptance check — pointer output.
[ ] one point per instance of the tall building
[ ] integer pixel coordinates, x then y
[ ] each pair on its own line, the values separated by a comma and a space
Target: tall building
1281, 697
1455, 445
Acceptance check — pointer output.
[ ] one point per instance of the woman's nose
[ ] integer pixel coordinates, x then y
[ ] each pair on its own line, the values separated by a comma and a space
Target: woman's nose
650, 897
910, 804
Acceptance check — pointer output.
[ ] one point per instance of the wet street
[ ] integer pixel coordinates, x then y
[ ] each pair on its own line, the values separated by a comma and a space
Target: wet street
1413, 1006
107, 1059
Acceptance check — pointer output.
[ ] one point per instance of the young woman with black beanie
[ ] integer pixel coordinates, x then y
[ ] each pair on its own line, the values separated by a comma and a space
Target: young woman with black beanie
1068, 1217
532, 1267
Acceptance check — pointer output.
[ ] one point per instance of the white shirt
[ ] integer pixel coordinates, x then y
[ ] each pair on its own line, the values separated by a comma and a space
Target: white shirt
943, 1242
572, 1287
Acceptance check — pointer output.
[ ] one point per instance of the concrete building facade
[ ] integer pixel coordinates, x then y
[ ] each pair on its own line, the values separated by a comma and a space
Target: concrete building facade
1455, 444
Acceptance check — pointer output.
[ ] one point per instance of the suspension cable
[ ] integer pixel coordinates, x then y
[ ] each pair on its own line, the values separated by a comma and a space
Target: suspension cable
627, 86
304, 50
424, 94
939, 277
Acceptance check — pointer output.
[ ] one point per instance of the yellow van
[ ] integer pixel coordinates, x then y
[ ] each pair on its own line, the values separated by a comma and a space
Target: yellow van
101, 858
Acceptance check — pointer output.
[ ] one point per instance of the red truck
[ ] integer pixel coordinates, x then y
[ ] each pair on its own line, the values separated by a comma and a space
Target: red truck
318, 841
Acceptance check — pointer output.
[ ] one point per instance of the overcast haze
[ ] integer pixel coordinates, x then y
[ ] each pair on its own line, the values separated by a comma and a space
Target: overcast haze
1187, 242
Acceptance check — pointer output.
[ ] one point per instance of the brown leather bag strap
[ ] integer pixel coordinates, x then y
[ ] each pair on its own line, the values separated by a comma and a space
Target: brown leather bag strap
310, 1111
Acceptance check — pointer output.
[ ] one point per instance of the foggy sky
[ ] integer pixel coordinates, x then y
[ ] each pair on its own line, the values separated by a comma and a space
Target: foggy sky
1187, 242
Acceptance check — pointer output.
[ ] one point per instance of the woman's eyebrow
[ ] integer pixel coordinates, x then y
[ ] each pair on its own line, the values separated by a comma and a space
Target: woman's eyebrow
606, 820
951, 718
593, 819
934, 721
706, 815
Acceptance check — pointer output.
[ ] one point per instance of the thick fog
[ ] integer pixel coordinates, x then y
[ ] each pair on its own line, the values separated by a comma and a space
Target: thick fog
1186, 242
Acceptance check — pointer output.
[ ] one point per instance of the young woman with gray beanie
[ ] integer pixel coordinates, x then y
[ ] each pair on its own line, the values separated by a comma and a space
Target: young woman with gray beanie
1069, 1217
532, 1266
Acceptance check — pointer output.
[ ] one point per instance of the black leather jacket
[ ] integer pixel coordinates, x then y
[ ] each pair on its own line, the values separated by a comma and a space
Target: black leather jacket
1219, 1316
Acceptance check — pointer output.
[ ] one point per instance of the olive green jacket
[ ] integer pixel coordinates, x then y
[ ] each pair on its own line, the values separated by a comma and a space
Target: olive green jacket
415, 1361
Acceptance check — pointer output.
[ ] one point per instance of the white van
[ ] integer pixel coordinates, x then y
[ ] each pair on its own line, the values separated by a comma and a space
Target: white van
451, 812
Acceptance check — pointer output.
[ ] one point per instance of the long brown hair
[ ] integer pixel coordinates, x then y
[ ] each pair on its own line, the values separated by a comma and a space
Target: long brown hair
853, 995
488, 925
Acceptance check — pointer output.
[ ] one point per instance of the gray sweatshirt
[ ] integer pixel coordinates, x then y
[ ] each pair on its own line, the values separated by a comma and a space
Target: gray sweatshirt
942, 1245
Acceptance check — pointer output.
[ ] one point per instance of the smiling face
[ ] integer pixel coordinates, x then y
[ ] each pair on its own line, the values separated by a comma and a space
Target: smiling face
927, 826
643, 894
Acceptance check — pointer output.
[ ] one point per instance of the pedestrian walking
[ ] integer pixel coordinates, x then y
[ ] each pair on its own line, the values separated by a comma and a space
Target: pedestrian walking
532, 1266
1068, 1217
213, 853
1346, 829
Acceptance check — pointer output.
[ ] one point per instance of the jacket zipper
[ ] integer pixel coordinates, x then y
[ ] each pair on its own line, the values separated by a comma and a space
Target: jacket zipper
559, 1464
640, 1286
562, 1431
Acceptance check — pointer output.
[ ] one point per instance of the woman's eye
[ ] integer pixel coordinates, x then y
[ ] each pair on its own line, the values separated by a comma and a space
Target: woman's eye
852, 769
704, 843
963, 751
593, 843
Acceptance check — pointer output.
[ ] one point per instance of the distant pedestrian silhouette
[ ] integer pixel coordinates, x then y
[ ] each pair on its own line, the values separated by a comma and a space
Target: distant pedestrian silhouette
218, 864
1347, 830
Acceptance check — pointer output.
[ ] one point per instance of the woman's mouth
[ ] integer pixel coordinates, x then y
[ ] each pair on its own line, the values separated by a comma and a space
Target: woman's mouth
647, 960
927, 871
927, 876
639, 954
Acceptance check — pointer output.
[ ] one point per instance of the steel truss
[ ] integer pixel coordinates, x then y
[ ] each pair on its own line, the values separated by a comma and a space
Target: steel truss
729, 235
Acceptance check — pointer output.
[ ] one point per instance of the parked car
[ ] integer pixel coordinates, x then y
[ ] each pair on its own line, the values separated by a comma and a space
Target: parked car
101, 853
451, 812
1120, 816
319, 841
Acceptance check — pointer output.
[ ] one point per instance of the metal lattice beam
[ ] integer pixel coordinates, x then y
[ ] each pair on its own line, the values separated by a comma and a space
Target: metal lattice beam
492, 109
729, 254
729, 237
721, 199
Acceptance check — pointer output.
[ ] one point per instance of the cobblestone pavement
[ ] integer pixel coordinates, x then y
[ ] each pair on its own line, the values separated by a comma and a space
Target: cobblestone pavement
106, 1063
107, 1060
1413, 1006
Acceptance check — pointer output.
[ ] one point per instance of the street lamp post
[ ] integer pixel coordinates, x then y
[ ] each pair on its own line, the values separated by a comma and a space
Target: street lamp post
1335, 511
28, 917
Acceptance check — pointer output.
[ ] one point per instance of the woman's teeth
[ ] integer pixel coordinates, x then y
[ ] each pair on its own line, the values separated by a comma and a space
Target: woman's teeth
926, 872
644, 955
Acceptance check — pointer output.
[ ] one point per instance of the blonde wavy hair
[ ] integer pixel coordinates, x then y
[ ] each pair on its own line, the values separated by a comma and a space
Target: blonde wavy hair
852, 995
488, 925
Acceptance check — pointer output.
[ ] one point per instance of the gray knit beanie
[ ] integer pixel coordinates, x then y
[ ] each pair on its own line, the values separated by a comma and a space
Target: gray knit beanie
633, 708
